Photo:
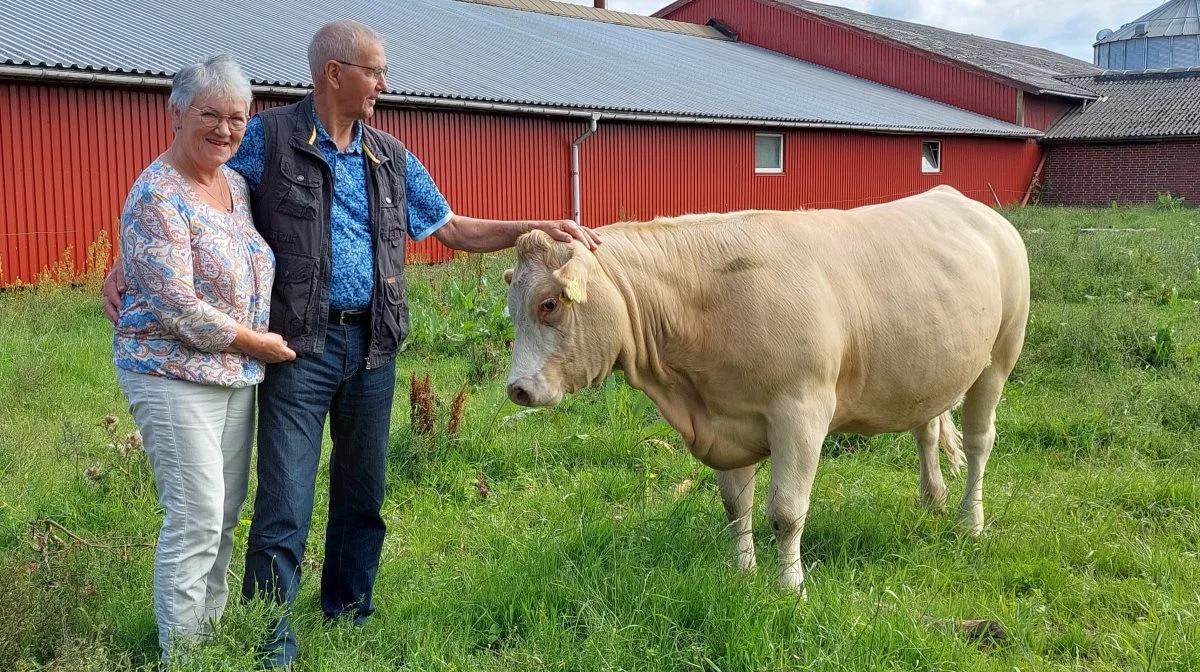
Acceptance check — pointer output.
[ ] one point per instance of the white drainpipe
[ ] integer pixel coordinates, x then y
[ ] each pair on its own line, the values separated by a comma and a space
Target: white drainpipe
575, 167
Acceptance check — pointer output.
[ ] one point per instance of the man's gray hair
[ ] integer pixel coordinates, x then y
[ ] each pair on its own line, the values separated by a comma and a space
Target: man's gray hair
338, 41
219, 76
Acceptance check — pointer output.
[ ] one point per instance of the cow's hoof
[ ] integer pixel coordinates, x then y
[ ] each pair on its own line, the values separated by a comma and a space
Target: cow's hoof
971, 522
792, 580
800, 590
934, 502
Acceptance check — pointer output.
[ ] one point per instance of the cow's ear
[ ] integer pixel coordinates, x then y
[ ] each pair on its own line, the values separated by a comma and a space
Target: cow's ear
508, 277
573, 276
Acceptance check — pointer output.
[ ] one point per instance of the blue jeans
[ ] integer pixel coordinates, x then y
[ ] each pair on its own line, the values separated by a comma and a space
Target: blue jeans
294, 400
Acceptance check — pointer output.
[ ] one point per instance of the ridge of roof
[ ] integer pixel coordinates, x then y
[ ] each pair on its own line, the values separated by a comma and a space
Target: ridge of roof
605, 16
1035, 68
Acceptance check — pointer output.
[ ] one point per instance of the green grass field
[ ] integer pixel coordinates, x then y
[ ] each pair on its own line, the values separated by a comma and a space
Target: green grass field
600, 543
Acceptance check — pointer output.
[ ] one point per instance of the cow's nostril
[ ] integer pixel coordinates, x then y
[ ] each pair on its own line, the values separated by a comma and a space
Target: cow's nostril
519, 394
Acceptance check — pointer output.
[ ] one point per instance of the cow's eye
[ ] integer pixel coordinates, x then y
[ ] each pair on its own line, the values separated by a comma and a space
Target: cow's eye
549, 305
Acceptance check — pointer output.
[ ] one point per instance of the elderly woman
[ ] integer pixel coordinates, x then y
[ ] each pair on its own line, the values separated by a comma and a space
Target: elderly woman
191, 339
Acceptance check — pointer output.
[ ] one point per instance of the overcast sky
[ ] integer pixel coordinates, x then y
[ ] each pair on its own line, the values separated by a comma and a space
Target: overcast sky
1066, 26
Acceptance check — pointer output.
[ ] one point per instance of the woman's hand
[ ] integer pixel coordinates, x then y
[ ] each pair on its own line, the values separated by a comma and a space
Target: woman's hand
114, 287
269, 347
272, 349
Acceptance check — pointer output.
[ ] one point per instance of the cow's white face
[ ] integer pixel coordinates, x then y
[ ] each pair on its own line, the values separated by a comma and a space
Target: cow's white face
566, 321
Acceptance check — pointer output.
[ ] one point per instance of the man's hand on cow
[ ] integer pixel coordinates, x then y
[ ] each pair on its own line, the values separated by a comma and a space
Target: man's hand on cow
566, 230
114, 287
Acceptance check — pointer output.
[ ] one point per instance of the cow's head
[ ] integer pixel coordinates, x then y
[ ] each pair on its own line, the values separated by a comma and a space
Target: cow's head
567, 318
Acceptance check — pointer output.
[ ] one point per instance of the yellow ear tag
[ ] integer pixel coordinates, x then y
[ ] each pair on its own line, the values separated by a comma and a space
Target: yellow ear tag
573, 292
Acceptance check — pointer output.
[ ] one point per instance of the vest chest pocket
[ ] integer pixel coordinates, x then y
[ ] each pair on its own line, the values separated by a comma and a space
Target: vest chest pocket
300, 190
392, 248
393, 224
392, 217
393, 233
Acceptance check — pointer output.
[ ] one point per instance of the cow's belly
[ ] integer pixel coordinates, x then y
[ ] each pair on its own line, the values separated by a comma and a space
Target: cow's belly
729, 440
891, 398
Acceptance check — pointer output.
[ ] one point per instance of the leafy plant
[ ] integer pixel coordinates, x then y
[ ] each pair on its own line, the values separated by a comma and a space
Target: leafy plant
1156, 351
463, 317
1168, 202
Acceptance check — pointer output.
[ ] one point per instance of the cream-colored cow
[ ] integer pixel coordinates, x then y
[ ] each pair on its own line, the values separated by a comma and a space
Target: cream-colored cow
758, 333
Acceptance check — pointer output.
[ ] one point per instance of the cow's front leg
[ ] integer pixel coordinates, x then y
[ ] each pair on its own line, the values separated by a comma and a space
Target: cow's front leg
795, 436
737, 493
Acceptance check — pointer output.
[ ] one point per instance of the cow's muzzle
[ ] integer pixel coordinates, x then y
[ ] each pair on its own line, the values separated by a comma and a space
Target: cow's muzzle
520, 394
531, 392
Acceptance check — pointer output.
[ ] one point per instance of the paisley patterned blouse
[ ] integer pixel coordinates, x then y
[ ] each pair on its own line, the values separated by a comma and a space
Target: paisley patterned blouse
194, 273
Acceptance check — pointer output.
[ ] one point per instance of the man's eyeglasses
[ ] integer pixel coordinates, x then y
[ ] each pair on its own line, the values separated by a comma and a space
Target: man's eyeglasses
377, 73
211, 119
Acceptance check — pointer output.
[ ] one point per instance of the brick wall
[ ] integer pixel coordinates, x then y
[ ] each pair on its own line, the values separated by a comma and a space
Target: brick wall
1097, 174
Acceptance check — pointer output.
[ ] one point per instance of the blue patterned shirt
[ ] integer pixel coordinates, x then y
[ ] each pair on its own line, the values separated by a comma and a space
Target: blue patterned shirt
353, 276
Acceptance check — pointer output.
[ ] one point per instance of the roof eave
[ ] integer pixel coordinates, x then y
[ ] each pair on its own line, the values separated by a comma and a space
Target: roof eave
1119, 138
79, 76
1064, 94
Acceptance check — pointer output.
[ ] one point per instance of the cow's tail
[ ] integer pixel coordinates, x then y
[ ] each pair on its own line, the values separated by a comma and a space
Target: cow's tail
951, 439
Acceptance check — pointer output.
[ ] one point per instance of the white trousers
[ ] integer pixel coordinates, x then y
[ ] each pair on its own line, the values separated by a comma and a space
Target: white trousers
198, 439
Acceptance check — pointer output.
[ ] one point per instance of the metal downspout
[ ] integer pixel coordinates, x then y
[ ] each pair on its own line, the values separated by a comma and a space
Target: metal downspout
575, 167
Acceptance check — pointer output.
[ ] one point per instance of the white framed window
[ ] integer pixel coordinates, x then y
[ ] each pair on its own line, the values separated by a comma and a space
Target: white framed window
768, 153
931, 156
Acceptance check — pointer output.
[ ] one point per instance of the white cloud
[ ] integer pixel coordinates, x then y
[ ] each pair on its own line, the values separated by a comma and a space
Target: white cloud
1066, 27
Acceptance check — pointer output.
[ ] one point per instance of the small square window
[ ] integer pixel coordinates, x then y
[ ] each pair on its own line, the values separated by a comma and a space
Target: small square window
931, 157
768, 153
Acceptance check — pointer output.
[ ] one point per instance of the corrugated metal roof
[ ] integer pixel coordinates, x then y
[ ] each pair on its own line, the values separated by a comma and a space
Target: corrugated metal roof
1033, 67
1152, 105
477, 52
606, 16
1177, 17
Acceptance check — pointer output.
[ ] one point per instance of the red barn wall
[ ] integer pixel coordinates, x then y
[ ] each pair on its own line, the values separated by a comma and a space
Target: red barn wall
68, 156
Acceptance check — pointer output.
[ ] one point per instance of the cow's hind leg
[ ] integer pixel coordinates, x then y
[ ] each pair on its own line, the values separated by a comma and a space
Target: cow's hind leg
737, 493
933, 488
979, 434
795, 435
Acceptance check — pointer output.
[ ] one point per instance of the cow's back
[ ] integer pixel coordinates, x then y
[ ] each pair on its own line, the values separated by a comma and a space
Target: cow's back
896, 306
935, 281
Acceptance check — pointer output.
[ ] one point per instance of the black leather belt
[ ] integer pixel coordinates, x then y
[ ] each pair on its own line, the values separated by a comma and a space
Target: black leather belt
355, 316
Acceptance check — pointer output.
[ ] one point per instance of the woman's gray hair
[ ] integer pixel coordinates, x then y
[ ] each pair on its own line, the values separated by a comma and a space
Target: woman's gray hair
218, 76
338, 41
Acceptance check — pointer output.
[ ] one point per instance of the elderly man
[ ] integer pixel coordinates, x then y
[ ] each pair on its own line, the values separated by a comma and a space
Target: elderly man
337, 201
